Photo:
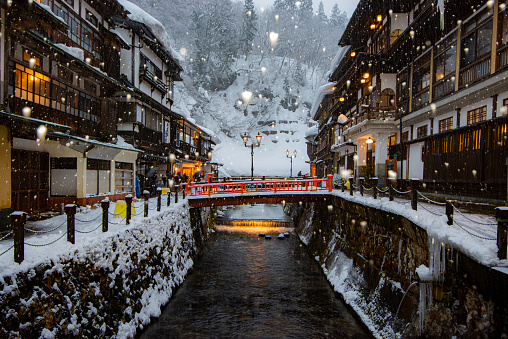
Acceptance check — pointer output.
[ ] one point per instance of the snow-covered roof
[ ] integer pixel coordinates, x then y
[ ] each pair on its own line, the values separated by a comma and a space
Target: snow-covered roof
338, 57
320, 95
139, 15
311, 131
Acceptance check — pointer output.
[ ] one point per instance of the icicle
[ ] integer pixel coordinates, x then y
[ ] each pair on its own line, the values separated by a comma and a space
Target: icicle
398, 256
441, 6
425, 302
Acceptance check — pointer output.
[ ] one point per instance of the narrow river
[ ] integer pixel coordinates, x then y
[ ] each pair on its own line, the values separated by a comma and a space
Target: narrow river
244, 286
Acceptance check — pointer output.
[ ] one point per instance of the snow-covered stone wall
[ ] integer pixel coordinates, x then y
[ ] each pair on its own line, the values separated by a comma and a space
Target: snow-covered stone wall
110, 288
371, 257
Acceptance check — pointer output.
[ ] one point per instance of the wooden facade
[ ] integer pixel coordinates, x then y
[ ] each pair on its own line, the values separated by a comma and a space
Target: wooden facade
429, 90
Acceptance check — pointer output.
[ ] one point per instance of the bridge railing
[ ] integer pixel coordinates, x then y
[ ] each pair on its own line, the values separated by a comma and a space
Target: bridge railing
241, 187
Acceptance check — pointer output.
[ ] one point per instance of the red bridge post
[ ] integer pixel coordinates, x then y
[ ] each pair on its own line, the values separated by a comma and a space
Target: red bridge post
330, 177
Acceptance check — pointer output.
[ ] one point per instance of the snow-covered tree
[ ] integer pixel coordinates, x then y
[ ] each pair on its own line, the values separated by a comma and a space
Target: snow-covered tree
216, 44
321, 13
249, 26
338, 18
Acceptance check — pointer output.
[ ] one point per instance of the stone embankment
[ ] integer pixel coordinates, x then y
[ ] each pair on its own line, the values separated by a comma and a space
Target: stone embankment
110, 288
371, 257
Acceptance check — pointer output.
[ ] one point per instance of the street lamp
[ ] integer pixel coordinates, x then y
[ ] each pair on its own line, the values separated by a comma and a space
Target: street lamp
291, 157
369, 141
172, 158
245, 139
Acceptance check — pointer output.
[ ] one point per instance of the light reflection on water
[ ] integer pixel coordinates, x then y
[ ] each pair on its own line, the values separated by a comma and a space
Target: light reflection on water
244, 286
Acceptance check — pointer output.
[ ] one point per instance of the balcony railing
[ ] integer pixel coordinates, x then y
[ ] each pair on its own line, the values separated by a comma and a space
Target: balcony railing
475, 71
371, 113
502, 57
154, 81
444, 86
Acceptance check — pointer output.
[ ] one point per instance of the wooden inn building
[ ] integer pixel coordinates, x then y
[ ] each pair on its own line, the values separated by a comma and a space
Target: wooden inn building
86, 96
421, 92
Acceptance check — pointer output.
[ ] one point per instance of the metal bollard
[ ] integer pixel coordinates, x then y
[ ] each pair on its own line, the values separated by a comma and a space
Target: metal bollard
342, 185
502, 226
146, 195
128, 215
415, 183
351, 187
184, 187
362, 179
176, 193
18, 220
105, 208
449, 211
169, 198
374, 187
70, 210
159, 198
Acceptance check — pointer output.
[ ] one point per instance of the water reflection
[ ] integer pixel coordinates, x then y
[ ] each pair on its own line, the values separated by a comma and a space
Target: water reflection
244, 286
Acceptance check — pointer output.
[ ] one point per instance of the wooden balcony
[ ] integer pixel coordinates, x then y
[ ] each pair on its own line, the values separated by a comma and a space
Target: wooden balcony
156, 83
502, 57
475, 71
371, 113
443, 87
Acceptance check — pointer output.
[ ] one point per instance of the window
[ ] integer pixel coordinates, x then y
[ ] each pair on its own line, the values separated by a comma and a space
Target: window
92, 18
31, 86
405, 136
65, 74
421, 132
476, 115
147, 65
97, 164
27, 55
477, 40
152, 119
446, 54
124, 177
90, 87
395, 34
387, 98
445, 124
126, 112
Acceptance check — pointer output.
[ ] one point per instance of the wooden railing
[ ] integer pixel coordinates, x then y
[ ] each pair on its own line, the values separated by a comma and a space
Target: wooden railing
475, 71
502, 57
268, 186
443, 86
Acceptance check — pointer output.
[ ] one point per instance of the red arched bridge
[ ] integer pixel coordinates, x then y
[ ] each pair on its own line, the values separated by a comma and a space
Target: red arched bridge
258, 192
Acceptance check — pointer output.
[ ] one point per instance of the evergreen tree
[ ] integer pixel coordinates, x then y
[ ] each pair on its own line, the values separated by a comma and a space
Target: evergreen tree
338, 18
299, 75
249, 26
306, 10
285, 5
321, 13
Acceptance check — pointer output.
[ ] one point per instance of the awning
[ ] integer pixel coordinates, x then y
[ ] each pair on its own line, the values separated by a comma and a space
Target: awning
345, 146
95, 149
36, 122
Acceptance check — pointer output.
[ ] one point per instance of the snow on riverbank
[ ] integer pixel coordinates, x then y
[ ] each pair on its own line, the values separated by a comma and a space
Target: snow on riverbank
141, 264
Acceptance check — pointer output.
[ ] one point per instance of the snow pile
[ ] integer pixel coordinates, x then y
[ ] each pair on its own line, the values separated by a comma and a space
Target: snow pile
141, 264
76, 52
322, 91
338, 58
484, 251
139, 15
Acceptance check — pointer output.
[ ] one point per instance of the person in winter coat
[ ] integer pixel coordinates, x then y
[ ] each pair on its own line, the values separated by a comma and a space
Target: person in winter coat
197, 176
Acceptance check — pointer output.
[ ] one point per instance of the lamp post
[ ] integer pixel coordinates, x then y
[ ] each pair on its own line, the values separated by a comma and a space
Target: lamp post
369, 141
245, 138
291, 157
172, 158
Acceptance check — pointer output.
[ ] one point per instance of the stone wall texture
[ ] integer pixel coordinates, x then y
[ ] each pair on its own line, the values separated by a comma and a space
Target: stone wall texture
465, 299
110, 290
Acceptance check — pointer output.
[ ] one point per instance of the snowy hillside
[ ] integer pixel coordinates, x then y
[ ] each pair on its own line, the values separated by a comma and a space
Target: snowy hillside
282, 93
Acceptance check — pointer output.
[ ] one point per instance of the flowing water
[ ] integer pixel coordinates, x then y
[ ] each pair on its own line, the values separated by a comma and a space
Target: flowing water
244, 286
